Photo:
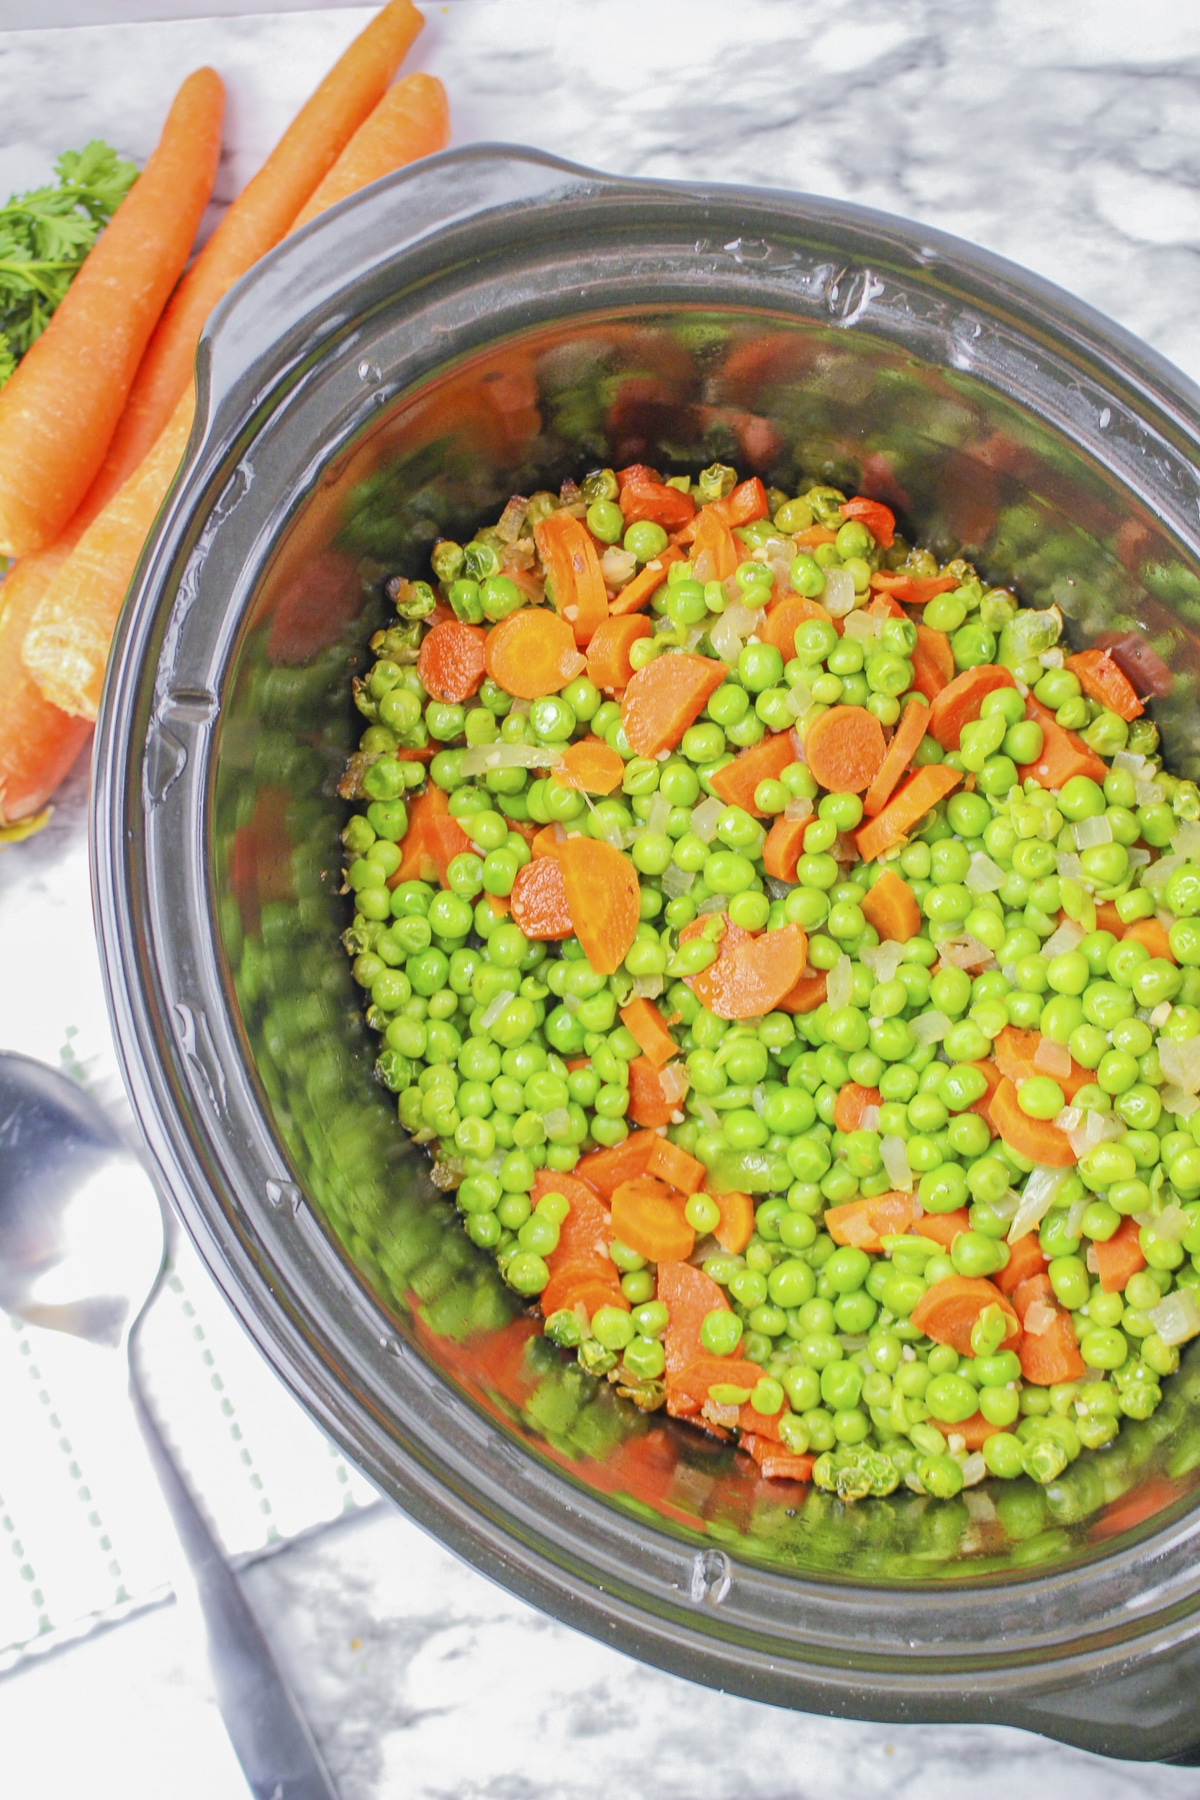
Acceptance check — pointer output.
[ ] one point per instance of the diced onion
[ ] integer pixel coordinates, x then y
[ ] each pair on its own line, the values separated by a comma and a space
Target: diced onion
1051, 659
496, 1007
882, 959
895, 1163
1138, 858
1075, 1214
838, 597
839, 983
1176, 1101
1187, 841
1039, 1317
1160, 1014
1131, 761
648, 987
758, 1099
1147, 793
800, 808
862, 625
556, 1121
1069, 865
1092, 1260
983, 875
676, 881
870, 1118
1171, 1223
1052, 1059
1091, 831
799, 700
1005, 1207
704, 819
734, 626
964, 952
930, 1027
1089, 1130
657, 814
1159, 873
618, 566
1180, 1062
974, 1468
1177, 1317
714, 904
1065, 938
1039, 1195
482, 759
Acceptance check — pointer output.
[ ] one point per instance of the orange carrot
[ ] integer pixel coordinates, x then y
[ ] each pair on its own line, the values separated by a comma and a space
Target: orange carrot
582, 1284
38, 741
845, 750
602, 894
608, 664
416, 860
412, 120
1153, 934
1102, 680
982, 1106
974, 1431
1025, 1260
891, 907
1015, 1052
446, 840
736, 1225
546, 841
689, 1295
643, 496
532, 652
775, 1463
587, 1229
674, 1166
716, 553
744, 505
1120, 1257
914, 590
949, 1308
807, 995
59, 410
573, 577
852, 1102
865, 1223
906, 739
813, 536
648, 1216
1037, 1139
959, 703
691, 1384
783, 847
752, 979
1051, 1356
539, 901
636, 593
642, 1019
919, 794
1063, 754
932, 661
665, 697
590, 766
452, 662
256, 222
943, 1228
655, 1095
605, 1170
784, 620
765, 761
879, 519
1033, 1288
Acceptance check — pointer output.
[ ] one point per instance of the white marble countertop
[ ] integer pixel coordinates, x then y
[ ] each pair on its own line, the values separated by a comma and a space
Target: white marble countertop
1066, 138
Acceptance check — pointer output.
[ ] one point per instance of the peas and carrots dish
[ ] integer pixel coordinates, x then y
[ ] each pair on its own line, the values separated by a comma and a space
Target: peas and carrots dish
790, 953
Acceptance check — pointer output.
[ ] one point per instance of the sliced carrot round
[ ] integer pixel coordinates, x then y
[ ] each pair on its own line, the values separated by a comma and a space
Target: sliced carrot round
960, 701
948, 1309
665, 697
603, 899
845, 749
452, 661
755, 977
648, 1216
539, 900
1037, 1139
592, 766
532, 653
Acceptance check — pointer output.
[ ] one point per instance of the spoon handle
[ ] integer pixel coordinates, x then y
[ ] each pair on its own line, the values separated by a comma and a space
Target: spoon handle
268, 1732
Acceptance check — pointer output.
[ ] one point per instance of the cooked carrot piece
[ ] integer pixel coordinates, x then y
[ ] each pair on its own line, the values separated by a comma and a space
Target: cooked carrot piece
642, 1019
1015, 1052
452, 662
865, 1223
906, 740
744, 505
1120, 1257
775, 1463
1102, 680
1152, 933
755, 977
655, 1095
891, 907
943, 1228
960, 701
642, 496
539, 900
814, 535
689, 1295
608, 664
949, 1308
591, 766
415, 854
807, 995
582, 1284
1025, 1260
919, 794
572, 566
784, 846
914, 590
546, 841
648, 1216
932, 661
1034, 1287
845, 750
602, 893
532, 653
974, 1431
715, 550
664, 698
1051, 1356
1037, 1139
765, 761
736, 1225
879, 519
674, 1166
692, 1382
638, 592
852, 1102
784, 620
605, 1170
1063, 753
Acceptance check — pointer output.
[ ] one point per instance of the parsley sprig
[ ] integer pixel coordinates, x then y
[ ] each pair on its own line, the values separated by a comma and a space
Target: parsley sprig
44, 237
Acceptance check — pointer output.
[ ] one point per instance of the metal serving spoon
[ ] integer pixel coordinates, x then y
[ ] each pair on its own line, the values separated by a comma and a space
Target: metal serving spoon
82, 1244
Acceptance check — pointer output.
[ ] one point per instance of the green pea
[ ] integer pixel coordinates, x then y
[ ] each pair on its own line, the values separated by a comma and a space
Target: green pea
645, 540
759, 666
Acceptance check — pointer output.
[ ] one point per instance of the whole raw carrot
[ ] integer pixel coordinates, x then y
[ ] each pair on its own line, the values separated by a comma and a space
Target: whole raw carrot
38, 742
256, 221
58, 412
412, 120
